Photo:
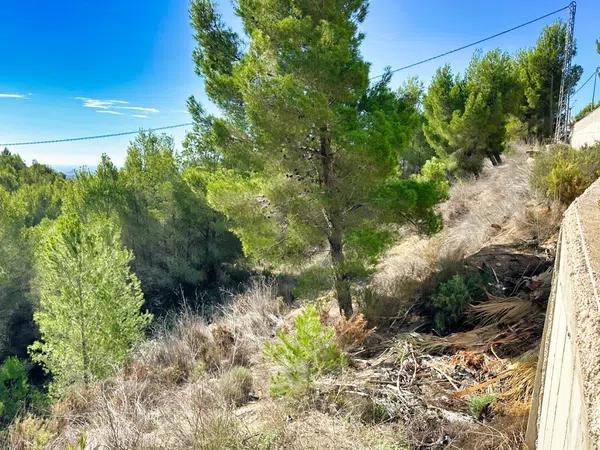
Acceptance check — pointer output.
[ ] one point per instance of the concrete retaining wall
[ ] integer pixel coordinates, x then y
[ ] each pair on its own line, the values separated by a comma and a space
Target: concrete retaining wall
587, 130
565, 412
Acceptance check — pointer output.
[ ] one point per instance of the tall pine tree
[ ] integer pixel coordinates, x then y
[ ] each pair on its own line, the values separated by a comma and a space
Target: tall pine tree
467, 115
540, 73
305, 153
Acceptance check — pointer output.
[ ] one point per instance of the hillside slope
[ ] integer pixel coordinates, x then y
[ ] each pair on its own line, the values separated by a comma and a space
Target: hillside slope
206, 386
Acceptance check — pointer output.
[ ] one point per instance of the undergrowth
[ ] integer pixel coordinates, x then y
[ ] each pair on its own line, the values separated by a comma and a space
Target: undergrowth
563, 173
452, 298
303, 355
479, 404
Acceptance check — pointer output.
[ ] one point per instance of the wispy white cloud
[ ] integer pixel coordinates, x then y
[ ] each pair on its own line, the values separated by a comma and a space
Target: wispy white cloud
141, 116
100, 104
14, 95
113, 106
138, 108
109, 111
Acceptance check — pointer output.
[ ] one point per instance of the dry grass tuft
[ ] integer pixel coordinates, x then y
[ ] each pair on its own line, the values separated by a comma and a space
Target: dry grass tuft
253, 315
236, 385
200, 419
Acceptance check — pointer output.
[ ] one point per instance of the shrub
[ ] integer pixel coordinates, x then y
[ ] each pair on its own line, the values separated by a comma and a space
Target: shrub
236, 385
479, 404
313, 281
304, 355
29, 433
563, 173
364, 408
453, 297
14, 388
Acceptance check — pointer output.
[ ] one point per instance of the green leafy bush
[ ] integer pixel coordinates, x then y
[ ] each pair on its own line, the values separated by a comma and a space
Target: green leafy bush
304, 355
453, 297
478, 404
563, 173
14, 388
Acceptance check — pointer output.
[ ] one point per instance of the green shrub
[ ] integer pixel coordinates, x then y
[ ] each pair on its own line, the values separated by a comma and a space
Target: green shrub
453, 297
563, 173
478, 404
304, 355
14, 388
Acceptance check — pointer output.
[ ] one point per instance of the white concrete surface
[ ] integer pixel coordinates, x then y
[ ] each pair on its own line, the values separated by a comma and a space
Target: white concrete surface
587, 130
565, 412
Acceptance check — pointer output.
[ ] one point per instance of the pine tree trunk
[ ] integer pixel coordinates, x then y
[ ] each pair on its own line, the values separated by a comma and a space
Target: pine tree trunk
341, 281
335, 234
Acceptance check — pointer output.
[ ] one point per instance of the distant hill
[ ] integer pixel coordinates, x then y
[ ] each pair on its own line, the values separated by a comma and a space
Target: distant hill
69, 170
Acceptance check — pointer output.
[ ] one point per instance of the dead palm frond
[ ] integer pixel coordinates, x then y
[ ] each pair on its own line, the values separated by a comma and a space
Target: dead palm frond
503, 311
514, 384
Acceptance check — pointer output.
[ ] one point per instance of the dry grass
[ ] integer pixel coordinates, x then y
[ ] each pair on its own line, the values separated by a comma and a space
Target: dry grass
178, 391
253, 315
479, 208
478, 211
236, 385
388, 299
289, 429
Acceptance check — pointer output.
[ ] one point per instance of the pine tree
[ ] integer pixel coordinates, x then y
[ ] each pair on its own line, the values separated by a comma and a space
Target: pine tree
154, 199
306, 152
540, 73
89, 314
467, 115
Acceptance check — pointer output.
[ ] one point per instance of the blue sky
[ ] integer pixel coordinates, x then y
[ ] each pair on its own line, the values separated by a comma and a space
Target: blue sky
76, 67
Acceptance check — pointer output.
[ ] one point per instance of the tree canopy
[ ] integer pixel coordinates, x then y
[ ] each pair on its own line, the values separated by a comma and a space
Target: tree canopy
307, 150
466, 116
156, 201
540, 72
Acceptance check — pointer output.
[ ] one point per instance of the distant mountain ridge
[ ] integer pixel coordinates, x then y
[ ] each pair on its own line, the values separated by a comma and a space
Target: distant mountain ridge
69, 170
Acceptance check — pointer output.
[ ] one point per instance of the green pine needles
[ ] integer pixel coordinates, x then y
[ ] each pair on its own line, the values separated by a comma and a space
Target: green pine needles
304, 355
305, 155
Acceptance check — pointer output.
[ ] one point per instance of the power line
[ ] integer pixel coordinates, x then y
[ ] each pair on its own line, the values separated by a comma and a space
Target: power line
126, 133
586, 81
99, 136
423, 61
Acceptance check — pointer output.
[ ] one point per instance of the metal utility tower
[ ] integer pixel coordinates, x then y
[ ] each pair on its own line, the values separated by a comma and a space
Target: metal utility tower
561, 132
